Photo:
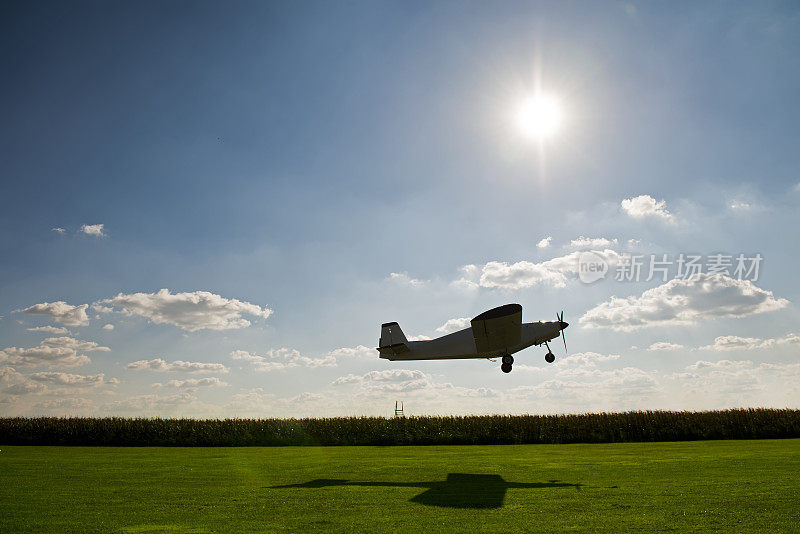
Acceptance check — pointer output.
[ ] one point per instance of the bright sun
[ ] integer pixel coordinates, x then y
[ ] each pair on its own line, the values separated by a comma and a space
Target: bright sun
539, 117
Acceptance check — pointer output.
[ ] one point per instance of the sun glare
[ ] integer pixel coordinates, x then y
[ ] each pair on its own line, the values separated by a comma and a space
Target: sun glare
539, 117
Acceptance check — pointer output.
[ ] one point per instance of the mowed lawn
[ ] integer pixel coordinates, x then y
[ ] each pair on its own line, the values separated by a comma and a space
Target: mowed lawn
684, 486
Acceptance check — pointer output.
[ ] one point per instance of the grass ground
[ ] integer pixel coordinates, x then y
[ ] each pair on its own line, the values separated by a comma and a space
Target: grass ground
683, 486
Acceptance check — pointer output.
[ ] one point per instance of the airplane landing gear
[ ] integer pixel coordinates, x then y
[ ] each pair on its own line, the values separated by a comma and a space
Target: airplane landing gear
549, 357
508, 361
506, 367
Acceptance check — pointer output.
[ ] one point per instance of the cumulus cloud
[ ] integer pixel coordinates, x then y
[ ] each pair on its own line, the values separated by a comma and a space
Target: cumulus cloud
49, 329
555, 272
66, 379
61, 312
520, 275
151, 403
108, 326
66, 406
404, 279
359, 352
94, 230
593, 243
544, 243
52, 352
190, 311
725, 343
74, 344
739, 382
587, 359
453, 325
24, 388
646, 206
623, 388
665, 346
58, 230
283, 358
678, 301
177, 366
6, 372
192, 383
390, 380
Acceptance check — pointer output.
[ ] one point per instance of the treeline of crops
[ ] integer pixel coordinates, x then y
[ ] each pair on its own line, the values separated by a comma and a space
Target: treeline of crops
467, 430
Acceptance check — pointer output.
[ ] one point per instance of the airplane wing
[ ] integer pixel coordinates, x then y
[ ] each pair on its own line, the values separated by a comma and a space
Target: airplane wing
498, 328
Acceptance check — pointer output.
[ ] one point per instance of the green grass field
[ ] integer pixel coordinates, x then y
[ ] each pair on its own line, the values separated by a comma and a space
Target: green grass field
683, 486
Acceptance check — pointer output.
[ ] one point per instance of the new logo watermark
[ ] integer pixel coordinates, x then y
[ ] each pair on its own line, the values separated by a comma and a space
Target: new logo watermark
591, 267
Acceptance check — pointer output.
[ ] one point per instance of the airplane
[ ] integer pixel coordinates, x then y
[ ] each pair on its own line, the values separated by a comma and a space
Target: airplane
498, 332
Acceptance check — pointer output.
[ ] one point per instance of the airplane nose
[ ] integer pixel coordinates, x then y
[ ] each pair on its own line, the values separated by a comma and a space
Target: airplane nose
563, 325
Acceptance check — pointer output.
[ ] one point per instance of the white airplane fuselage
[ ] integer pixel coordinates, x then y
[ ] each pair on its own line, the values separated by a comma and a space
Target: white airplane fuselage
461, 344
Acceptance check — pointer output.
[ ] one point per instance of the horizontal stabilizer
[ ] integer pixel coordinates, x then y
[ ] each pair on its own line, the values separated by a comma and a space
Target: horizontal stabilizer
394, 350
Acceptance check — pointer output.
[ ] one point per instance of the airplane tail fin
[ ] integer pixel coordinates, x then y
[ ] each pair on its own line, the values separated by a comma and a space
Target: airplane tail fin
392, 341
391, 334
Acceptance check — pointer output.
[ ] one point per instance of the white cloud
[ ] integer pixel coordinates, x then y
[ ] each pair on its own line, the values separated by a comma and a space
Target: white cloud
420, 337
520, 275
390, 380
49, 329
24, 388
721, 364
66, 406
726, 343
191, 311
695, 299
58, 230
665, 346
575, 389
67, 379
193, 383
359, 352
452, 325
593, 243
52, 352
469, 277
7, 373
61, 312
177, 366
283, 358
74, 344
149, 404
742, 383
108, 326
95, 230
544, 243
523, 274
646, 206
586, 359
404, 279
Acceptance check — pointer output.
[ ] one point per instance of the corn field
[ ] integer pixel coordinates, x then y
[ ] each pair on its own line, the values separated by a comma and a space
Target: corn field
462, 430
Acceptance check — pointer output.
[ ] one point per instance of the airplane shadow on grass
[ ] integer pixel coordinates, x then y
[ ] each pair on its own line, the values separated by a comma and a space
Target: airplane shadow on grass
458, 491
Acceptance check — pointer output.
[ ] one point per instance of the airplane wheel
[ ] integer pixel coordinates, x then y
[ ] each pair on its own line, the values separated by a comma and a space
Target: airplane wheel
509, 359
506, 367
549, 357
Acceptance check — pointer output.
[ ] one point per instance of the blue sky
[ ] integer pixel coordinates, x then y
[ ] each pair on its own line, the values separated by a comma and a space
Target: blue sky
272, 164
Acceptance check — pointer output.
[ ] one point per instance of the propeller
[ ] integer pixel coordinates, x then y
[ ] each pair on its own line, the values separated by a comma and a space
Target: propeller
563, 326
